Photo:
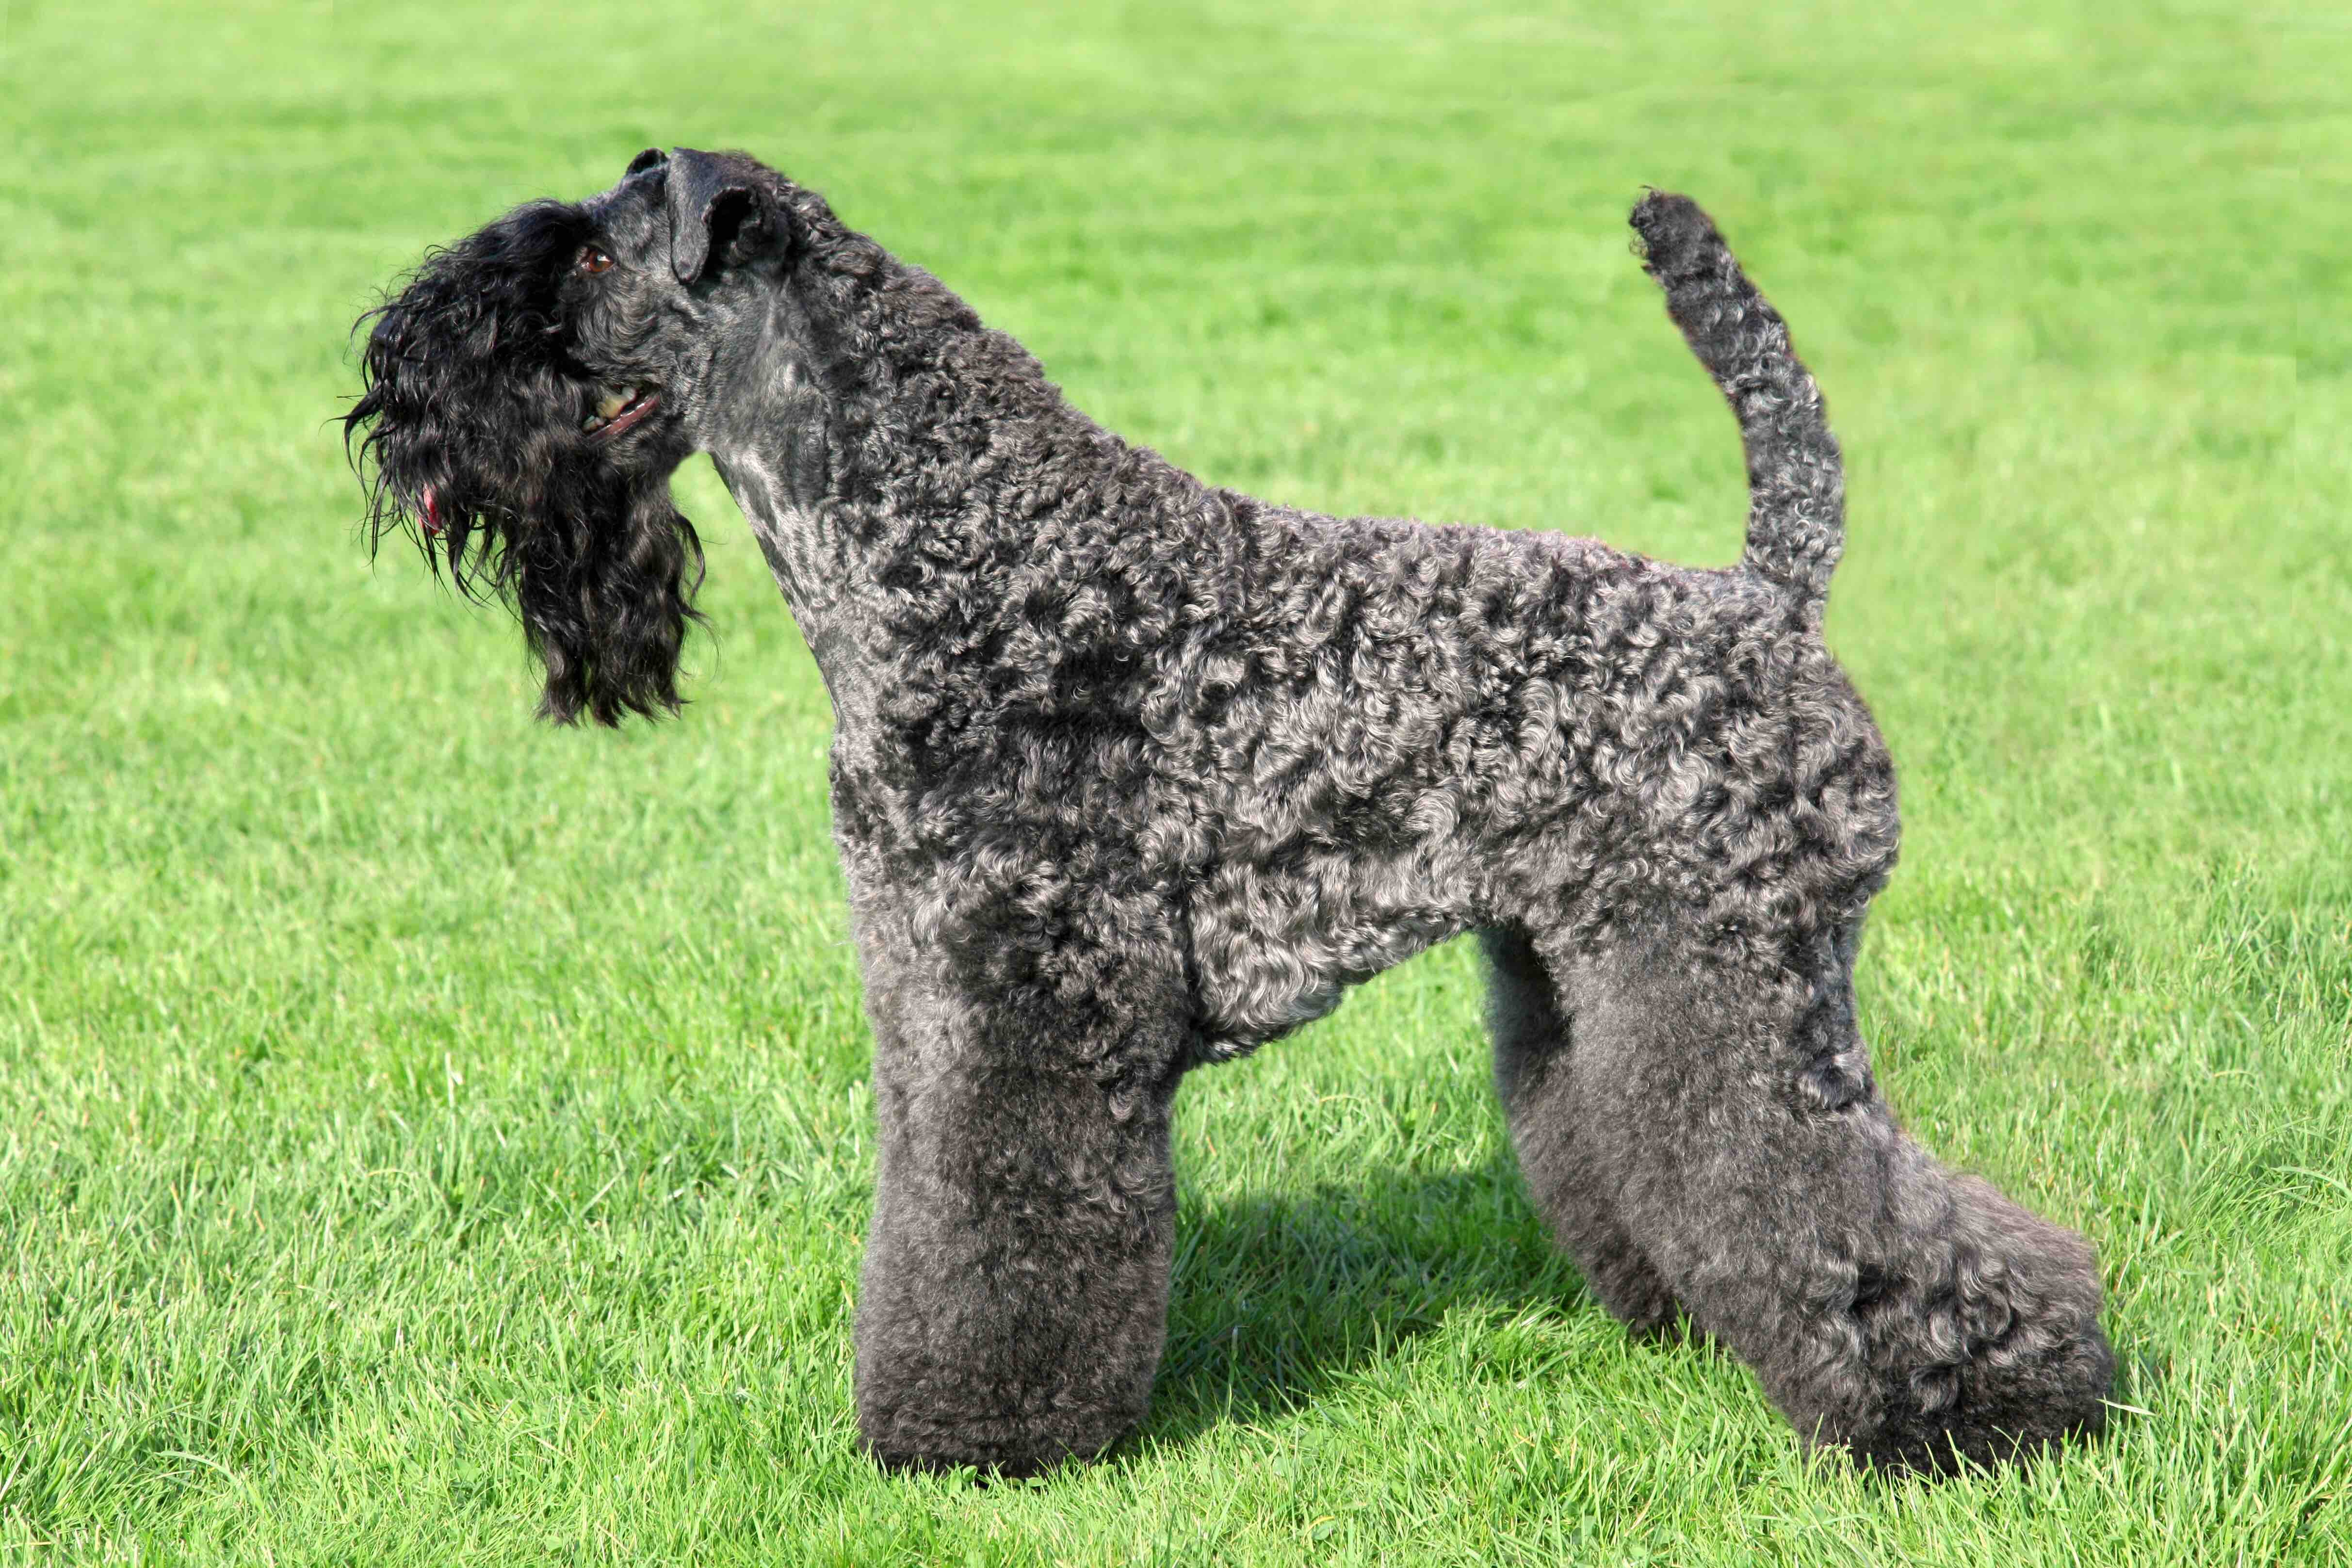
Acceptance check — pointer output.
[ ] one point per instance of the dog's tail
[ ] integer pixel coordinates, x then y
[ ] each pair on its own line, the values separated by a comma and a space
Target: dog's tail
1796, 482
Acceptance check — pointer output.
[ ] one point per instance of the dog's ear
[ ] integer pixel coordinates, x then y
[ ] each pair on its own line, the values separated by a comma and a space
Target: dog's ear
651, 158
717, 213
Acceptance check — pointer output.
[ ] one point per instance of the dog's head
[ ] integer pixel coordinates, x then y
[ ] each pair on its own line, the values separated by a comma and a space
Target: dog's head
530, 390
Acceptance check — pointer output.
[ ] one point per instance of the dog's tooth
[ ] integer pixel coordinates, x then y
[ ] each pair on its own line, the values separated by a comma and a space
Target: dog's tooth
614, 403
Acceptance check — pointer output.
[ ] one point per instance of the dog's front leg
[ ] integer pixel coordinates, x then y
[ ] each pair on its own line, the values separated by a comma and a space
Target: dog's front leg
1014, 1298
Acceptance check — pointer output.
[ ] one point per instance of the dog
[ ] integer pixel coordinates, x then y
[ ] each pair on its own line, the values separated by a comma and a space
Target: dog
1132, 773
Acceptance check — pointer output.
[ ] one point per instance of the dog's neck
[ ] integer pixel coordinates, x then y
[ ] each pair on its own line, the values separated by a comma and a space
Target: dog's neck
852, 455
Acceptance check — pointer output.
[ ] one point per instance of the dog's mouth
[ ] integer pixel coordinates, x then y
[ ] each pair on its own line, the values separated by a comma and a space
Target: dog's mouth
619, 410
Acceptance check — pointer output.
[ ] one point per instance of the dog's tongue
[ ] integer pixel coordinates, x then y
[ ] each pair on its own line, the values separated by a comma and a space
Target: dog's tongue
433, 524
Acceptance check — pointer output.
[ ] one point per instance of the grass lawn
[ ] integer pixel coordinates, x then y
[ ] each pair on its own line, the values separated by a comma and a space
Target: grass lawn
428, 1138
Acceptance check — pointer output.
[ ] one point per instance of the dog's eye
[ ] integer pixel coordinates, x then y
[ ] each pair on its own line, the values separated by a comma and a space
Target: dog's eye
592, 261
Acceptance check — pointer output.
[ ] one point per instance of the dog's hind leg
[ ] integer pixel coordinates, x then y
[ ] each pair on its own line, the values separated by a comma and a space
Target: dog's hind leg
1887, 1305
1014, 1298
1536, 1074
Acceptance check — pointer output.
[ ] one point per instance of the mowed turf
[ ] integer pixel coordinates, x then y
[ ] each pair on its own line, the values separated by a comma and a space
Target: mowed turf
428, 1138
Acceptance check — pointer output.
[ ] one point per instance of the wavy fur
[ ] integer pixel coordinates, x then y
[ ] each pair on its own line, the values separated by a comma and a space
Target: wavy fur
1133, 773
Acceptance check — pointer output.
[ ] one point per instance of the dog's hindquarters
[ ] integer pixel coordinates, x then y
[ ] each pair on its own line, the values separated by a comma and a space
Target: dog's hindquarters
1796, 480
1535, 1077
1732, 1156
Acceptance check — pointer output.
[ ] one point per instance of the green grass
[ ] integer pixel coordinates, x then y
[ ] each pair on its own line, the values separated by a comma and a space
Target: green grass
425, 1138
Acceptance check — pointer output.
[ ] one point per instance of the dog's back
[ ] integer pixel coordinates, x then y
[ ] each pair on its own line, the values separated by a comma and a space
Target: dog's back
1427, 729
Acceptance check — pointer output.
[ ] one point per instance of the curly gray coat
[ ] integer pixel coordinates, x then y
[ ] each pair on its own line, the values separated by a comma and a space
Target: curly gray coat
1133, 773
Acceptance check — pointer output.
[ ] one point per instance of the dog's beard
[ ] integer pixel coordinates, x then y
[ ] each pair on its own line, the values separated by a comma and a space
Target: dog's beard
605, 585
595, 560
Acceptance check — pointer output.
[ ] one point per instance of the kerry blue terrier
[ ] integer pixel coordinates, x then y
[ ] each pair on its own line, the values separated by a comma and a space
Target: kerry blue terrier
1132, 773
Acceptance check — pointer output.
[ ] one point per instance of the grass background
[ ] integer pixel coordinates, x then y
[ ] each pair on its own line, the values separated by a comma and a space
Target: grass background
426, 1138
